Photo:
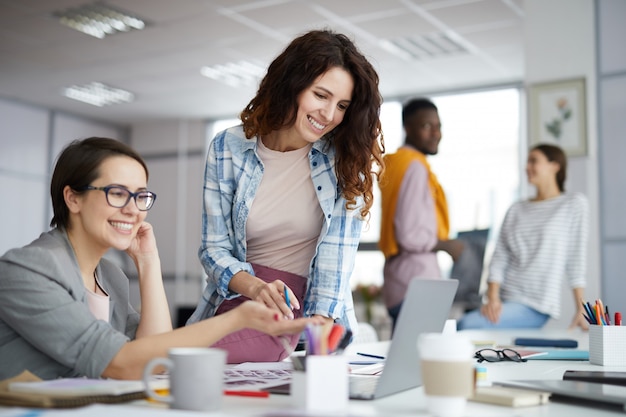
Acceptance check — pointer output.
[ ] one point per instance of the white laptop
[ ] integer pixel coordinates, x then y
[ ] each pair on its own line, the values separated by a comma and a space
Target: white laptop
425, 309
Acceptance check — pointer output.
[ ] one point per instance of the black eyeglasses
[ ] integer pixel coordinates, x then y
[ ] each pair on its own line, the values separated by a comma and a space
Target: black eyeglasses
493, 355
118, 196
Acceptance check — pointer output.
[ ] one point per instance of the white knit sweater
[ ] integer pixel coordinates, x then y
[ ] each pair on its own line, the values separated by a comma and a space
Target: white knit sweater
540, 244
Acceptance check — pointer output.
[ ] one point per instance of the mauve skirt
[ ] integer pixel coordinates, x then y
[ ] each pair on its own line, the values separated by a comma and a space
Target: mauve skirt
249, 345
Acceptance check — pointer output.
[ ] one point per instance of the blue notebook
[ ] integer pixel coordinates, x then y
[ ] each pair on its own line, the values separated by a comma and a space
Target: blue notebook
562, 355
557, 343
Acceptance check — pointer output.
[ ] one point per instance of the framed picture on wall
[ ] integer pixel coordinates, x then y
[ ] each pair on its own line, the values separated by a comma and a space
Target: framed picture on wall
558, 115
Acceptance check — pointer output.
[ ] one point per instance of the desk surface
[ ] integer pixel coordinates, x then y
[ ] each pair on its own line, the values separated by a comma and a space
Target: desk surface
408, 403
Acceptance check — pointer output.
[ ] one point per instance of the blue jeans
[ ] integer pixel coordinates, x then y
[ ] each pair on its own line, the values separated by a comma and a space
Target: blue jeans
513, 316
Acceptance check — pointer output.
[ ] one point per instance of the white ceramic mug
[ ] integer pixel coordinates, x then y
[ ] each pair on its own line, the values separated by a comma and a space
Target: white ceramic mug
196, 378
447, 372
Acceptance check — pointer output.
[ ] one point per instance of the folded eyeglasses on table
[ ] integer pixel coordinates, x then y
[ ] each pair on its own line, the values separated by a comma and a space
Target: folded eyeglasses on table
498, 355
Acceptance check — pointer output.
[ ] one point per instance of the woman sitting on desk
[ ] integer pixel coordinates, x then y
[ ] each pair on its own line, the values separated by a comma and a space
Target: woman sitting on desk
64, 310
542, 242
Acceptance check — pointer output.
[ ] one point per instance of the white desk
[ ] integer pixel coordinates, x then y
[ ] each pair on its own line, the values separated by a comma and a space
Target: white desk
409, 403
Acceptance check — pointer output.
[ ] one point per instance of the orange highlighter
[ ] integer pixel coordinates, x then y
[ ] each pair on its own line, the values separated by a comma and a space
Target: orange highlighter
599, 320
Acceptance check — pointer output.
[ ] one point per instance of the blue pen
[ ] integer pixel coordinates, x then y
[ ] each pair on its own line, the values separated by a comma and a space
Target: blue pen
592, 314
589, 317
287, 296
369, 355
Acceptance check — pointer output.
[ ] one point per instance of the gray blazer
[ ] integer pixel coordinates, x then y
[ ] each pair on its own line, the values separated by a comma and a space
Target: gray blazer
45, 323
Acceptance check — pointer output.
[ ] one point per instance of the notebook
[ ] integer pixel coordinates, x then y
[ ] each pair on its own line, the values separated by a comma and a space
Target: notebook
563, 355
28, 390
425, 309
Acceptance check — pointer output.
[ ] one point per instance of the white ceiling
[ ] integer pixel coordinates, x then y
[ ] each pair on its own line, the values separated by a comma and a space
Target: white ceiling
161, 64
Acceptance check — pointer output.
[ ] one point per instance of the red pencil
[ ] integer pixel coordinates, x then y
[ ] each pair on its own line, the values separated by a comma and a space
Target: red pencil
258, 394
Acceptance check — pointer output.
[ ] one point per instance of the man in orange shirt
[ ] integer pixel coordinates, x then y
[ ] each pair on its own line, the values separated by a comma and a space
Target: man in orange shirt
415, 223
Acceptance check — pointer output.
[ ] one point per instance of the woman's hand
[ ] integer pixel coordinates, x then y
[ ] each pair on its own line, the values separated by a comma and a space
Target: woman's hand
255, 315
144, 243
492, 310
579, 321
274, 295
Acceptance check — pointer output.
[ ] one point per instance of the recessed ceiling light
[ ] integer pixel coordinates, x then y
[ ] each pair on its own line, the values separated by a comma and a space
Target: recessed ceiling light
99, 20
432, 45
235, 74
98, 94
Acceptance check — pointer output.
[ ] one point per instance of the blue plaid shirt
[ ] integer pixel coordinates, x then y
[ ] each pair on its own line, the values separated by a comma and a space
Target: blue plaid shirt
232, 177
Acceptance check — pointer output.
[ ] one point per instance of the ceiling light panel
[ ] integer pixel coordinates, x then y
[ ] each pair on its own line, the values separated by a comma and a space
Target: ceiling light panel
98, 94
99, 20
235, 74
428, 46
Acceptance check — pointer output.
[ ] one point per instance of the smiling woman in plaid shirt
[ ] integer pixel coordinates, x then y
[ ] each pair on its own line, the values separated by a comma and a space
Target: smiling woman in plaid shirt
286, 193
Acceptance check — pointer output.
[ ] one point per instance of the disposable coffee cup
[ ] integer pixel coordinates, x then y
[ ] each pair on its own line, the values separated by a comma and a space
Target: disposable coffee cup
447, 372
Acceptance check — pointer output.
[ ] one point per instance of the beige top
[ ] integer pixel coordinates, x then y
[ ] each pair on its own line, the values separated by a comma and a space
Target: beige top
285, 219
98, 303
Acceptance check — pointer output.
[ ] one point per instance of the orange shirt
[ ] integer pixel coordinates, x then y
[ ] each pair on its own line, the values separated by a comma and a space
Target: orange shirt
395, 166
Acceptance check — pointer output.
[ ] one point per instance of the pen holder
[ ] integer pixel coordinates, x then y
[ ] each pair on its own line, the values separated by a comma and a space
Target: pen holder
323, 387
607, 345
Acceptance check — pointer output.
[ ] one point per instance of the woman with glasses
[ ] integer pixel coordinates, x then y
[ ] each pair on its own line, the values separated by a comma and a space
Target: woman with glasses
286, 192
64, 309
542, 243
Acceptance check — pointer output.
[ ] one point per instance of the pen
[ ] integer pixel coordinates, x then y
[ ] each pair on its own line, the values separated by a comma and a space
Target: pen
243, 393
607, 316
585, 313
286, 296
599, 303
589, 316
369, 355
618, 318
259, 394
334, 337
592, 314
599, 319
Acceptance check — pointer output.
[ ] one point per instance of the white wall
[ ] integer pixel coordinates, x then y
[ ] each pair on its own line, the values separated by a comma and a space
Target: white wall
175, 153
30, 140
559, 41
23, 173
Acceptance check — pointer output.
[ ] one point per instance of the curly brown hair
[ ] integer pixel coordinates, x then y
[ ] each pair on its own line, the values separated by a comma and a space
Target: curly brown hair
358, 140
